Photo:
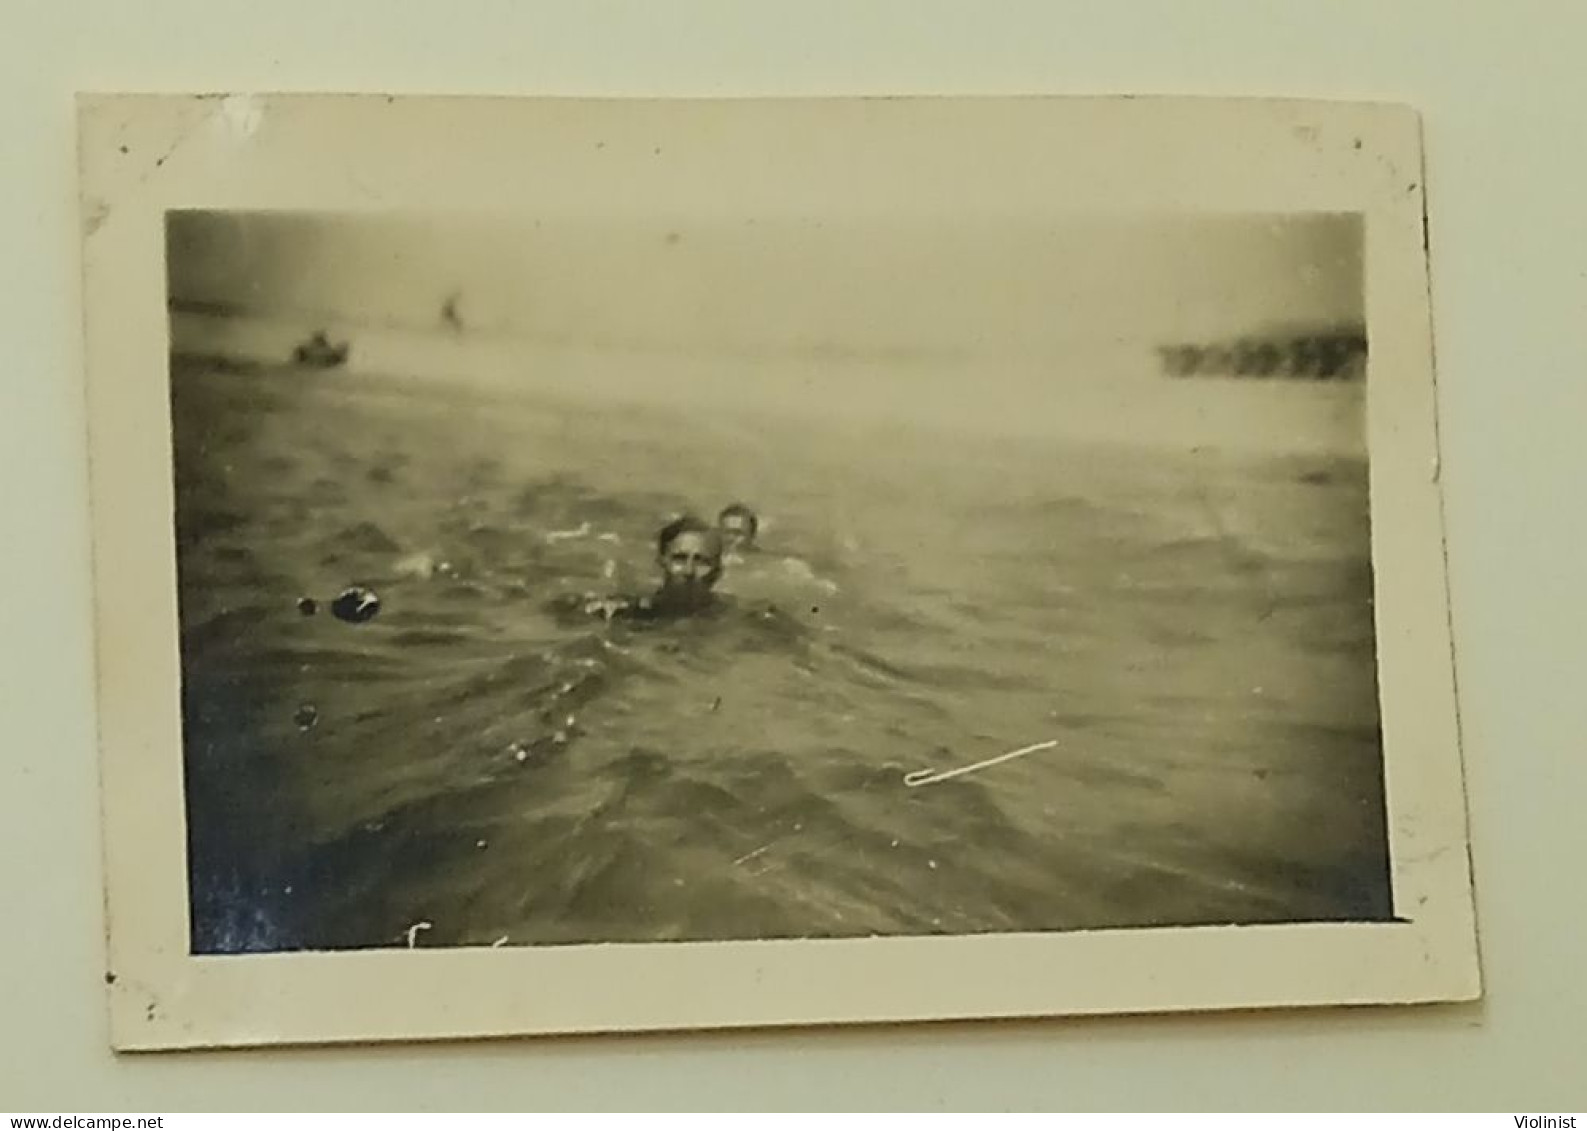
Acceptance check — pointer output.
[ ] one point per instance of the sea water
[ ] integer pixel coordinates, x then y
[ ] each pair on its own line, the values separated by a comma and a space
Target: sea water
1194, 629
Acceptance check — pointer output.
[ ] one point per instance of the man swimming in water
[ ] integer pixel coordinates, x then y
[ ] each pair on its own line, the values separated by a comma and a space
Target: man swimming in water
739, 526
689, 552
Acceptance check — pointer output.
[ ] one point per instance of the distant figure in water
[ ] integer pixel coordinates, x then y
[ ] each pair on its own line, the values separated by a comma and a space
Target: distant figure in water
689, 553
738, 525
450, 315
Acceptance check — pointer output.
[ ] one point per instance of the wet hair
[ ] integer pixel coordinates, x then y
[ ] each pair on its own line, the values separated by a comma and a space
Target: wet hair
740, 510
689, 524
686, 524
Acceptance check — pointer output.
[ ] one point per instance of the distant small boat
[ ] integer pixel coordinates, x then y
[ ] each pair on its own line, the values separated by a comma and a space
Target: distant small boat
319, 352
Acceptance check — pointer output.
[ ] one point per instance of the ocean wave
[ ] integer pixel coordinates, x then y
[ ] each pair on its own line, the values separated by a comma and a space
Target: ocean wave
479, 761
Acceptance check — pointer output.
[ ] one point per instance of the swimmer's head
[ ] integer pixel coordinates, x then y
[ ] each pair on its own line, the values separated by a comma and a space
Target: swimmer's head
689, 552
738, 525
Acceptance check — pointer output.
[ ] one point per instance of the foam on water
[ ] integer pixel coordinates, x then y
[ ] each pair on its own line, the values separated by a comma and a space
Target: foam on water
1194, 630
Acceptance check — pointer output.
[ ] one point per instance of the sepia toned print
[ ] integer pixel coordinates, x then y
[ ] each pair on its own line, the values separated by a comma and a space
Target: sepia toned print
465, 428
679, 565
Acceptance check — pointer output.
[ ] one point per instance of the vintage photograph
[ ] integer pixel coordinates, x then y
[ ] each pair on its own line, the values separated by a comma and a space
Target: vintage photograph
585, 583
640, 565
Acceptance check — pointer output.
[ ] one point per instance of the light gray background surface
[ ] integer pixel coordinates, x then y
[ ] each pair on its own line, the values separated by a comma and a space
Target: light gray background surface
1505, 99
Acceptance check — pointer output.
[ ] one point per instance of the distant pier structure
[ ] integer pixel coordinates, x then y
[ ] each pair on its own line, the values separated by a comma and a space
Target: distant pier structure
1314, 356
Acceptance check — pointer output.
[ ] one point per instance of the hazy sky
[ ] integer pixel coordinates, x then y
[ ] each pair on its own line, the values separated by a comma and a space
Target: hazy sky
780, 312
1002, 290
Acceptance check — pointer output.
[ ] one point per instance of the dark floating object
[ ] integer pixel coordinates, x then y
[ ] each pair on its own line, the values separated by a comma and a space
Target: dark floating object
306, 716
356, 605
319, 352
308, 606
